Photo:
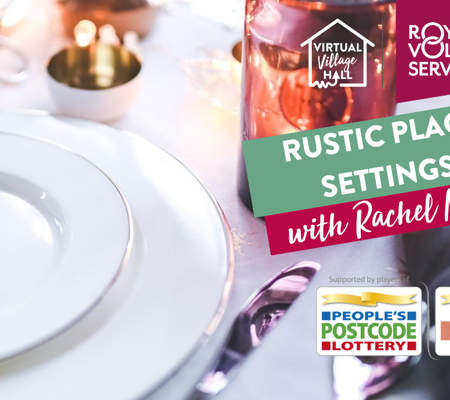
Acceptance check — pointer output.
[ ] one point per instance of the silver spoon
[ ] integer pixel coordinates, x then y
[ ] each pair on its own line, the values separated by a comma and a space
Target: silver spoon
358, 378
259, 315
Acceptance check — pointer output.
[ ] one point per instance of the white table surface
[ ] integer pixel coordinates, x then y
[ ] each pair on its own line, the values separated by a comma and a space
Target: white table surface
169, 113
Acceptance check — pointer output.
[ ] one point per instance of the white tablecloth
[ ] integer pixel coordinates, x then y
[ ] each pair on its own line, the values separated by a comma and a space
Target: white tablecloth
205, 138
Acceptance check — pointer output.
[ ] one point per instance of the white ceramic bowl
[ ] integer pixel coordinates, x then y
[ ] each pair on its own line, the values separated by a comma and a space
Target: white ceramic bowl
99, 82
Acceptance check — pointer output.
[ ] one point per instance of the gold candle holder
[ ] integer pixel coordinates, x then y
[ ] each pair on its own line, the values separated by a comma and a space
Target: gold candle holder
103, 67
98, 81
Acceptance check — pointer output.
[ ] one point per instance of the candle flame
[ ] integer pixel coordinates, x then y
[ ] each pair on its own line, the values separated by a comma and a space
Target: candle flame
85, 32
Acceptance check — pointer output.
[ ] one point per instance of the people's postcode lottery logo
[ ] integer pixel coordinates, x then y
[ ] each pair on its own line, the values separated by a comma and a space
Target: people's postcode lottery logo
367, 321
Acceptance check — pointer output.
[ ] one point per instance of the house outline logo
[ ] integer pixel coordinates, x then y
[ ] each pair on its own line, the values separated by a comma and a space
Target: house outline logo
336, 77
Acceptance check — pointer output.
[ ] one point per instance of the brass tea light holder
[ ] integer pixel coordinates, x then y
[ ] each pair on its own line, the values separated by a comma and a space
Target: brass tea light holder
95, 79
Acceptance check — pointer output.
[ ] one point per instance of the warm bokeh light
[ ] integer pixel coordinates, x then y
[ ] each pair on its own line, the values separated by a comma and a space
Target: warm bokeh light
85, 32
107, 34
16, 12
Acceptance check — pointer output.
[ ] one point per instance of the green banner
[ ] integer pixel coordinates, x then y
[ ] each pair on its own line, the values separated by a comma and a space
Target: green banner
349, 162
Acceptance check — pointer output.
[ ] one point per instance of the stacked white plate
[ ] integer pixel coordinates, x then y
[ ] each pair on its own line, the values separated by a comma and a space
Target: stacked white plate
115, 261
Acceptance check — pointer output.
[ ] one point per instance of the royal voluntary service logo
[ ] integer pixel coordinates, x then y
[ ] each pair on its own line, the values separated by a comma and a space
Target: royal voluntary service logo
369, 321
423, 49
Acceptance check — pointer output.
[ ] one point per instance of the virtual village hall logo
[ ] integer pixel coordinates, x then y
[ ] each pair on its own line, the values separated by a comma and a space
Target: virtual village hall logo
332, 63
369, 321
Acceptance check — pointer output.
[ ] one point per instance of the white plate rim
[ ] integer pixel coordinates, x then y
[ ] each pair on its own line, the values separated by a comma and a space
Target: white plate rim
217, 317
102, 295
220, 310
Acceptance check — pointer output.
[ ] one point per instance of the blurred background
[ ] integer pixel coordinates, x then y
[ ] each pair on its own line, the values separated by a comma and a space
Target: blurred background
188, 104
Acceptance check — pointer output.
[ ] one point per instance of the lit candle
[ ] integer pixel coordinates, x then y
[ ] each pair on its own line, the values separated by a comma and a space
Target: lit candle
94, 79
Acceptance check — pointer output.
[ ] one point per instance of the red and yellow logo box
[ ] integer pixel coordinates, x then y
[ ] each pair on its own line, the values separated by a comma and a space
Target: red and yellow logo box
367, 321
442, 318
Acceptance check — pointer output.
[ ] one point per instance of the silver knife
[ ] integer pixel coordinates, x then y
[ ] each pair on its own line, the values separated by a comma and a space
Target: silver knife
259, 315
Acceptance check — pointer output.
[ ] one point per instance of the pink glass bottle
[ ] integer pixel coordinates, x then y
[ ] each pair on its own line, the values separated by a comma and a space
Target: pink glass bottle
276, 95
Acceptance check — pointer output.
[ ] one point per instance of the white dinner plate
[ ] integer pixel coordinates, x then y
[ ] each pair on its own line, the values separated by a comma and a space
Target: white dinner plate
64, 236
170, 295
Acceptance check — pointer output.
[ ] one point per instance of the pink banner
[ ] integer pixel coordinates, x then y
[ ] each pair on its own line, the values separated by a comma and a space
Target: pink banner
359, 220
